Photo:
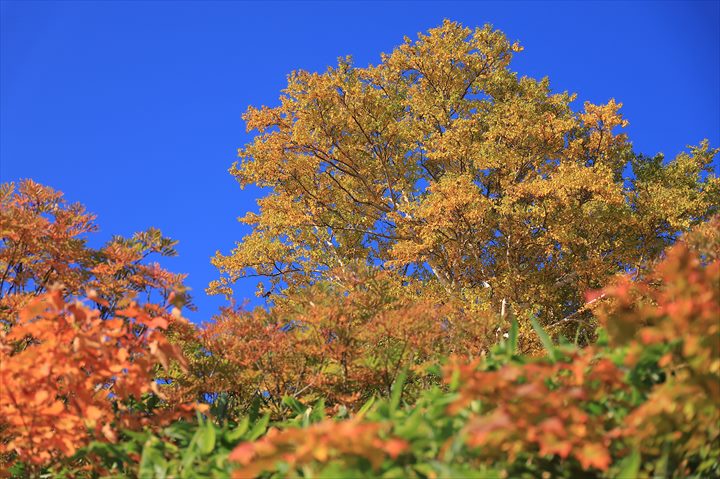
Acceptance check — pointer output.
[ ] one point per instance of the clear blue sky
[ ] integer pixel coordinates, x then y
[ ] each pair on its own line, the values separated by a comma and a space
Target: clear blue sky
133, 108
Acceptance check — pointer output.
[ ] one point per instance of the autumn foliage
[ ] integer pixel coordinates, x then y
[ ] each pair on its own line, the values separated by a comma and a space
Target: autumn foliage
443, 165
79, 356
44, 242
70, 376
464, 277
324, 441
344, 341
641, 403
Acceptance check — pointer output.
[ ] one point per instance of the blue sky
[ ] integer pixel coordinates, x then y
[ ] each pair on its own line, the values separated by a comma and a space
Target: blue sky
133, 108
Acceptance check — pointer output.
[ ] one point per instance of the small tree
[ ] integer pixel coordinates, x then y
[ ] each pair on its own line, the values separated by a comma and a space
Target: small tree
80, 355
43, 242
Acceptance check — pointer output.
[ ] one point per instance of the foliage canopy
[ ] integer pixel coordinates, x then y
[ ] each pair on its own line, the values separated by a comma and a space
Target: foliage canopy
443, 165
436, 231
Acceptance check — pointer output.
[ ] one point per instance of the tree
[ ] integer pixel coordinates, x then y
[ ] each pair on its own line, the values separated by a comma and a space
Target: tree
441, 164
79, 354
43, 241
343, 345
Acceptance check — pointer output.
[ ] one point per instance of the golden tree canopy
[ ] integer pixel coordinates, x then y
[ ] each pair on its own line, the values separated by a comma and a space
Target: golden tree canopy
444, 166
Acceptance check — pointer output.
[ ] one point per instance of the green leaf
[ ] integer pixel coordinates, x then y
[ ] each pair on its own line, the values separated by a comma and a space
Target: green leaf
296, 406
434, 369
188, 459
454, 380
630, 466
152, 462
408, 427
395, 472
206, 439
397, 389
318, 411
544, 339
333, 471
254, 411
424, 469
259, 428
512, 338
366, 407
236, 434
141, 437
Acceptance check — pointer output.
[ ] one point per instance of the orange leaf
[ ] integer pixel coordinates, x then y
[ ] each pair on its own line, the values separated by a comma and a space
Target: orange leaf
593, 455
93, 413
54, 409
395, 447
243, 453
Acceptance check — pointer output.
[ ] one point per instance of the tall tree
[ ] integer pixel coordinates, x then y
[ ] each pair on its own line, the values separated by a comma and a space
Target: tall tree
442, 164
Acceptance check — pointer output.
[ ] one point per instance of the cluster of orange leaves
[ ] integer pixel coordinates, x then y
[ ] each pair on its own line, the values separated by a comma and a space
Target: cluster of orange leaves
523, 413
67, 376
542, 406
343, 342
539, 407
678, 308
72, 372
322, 442
43, 243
